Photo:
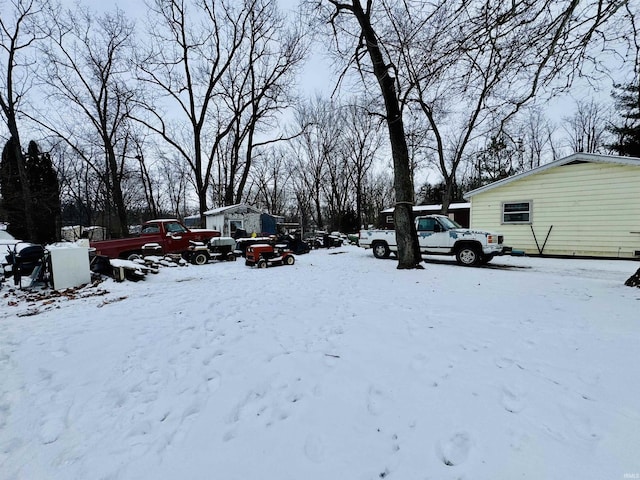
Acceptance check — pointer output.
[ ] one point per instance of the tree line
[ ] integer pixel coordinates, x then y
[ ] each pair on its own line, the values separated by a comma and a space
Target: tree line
199, 107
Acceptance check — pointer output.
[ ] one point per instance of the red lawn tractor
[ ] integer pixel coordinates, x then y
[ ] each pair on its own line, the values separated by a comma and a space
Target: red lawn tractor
263, 255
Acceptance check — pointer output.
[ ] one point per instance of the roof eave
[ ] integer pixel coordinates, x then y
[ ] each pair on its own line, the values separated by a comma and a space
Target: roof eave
587, 157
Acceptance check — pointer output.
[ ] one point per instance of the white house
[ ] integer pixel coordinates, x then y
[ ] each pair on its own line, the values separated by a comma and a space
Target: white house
581, 205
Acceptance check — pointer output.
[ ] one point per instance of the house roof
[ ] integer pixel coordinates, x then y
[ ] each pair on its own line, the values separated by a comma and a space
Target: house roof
431, 208
237, 208
574, 158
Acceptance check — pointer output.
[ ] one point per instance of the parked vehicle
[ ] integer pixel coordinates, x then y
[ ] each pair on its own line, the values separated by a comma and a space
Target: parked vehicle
321, 239
263, 255
439, 235
166, 236
243, 243
222, 248
218, 248
294, 243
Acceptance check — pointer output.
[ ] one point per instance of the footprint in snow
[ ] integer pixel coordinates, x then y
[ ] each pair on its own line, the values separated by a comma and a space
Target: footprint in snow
504, 362
213, 381
154, 378
375, 401
45, 376
456, 449
513, 399
50, 430
314, 449
580, 424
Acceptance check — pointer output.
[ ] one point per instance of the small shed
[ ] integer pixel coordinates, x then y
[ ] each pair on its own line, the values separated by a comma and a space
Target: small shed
457, 211
581, 205
228, 219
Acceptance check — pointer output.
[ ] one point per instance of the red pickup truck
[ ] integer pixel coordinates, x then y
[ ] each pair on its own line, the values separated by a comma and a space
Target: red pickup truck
171, 236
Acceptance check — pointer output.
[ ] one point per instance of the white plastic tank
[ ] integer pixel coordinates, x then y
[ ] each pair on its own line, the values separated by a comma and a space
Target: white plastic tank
69, 265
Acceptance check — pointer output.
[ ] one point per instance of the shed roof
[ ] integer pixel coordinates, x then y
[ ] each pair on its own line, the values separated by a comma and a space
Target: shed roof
237, 208
574, 158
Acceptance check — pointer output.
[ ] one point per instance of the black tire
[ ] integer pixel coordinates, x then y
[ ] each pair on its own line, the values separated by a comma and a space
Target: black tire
289, 260
468, 255
231, 257
262, 263
486, 259
199, 258
134, 256
381, 250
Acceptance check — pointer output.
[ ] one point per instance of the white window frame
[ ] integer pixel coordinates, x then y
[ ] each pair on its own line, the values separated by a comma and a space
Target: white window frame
529, 212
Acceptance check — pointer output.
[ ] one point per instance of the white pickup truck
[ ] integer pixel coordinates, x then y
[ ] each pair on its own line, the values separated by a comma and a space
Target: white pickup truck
439, 235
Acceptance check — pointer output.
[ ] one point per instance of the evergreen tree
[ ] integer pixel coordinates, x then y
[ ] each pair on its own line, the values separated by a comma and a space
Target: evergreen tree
11, 191
46, 192
627, 100
45, 189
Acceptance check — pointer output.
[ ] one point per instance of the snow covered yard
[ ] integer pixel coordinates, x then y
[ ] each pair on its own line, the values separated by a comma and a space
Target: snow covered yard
339, 367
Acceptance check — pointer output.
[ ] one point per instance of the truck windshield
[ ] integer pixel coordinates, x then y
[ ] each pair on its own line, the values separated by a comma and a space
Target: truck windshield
448, 224
175, 228
152, 228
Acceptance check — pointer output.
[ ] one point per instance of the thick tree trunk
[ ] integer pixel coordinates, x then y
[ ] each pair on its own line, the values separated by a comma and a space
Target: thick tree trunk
446, 197
116, 194
406, 236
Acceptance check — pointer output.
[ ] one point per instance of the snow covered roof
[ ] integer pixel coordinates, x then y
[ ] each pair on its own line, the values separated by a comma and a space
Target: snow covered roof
432, 208
237, 208
576, 157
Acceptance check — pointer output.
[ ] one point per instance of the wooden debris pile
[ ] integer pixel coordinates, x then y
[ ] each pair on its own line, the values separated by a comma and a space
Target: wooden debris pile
136, 268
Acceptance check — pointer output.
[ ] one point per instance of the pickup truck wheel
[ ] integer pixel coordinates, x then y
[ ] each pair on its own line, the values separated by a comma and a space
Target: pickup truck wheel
134, 256
290, 260
262, 263
381, 250
468, 256
199, 258
486, 259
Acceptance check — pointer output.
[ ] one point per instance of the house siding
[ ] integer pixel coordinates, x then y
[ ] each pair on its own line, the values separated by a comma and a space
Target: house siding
591, 208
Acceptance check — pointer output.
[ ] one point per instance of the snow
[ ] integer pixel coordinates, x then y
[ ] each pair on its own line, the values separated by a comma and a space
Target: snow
338, 367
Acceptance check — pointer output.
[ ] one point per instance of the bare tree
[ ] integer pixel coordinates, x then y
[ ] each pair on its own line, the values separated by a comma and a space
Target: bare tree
319, 122
377, 195
18, 33
536, 135
257, 86
469, 66
192, 47
216, 70
271, 177
587, 127
362, 141
175, 174
368, 42
86, 69
82, 190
